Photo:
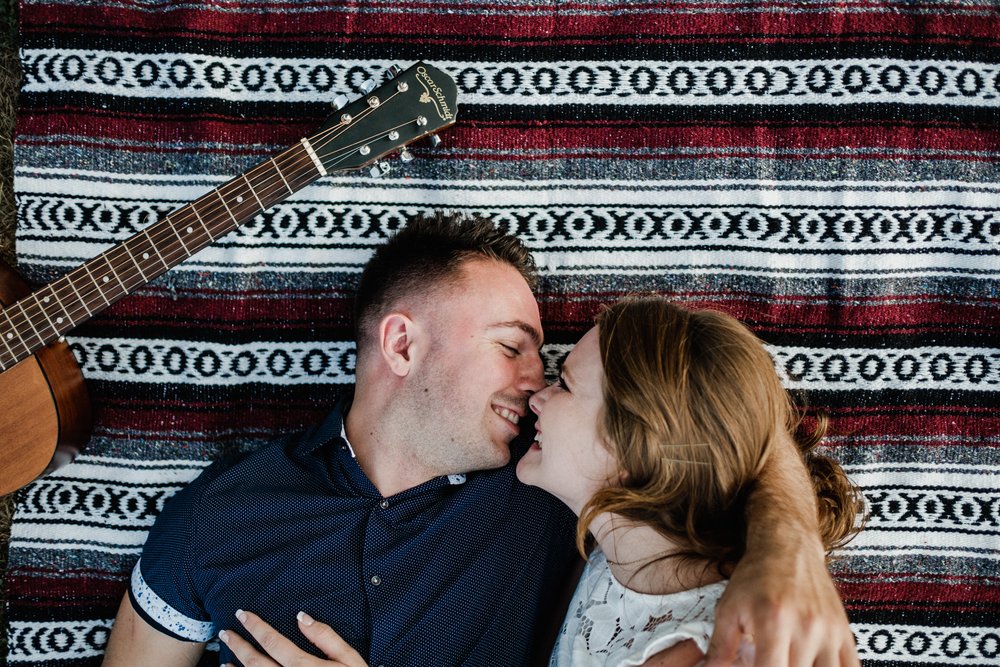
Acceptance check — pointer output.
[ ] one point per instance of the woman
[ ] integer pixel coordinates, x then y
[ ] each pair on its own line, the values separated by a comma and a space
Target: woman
654, 435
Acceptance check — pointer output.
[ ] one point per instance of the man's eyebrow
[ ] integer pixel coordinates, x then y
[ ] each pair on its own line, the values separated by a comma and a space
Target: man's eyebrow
533, 333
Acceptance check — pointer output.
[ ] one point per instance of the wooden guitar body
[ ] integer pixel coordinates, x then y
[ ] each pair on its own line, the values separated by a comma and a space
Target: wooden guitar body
45, 415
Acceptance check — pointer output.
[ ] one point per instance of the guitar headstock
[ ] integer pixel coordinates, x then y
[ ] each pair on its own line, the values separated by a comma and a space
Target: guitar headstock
409, 106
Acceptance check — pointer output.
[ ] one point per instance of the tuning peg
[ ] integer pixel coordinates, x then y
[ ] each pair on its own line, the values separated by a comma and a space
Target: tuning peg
339, 102
405, 155
379, 169
435, 140
367, 86
392, 72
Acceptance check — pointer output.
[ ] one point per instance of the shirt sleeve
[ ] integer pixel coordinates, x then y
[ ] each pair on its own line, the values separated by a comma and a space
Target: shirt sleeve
162, 589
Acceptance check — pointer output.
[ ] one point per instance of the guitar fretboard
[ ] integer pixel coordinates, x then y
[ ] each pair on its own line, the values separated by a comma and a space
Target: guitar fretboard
45, 315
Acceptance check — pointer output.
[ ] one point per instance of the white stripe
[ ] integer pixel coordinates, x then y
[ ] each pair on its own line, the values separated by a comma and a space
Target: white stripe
935, 475
164, 614
203, 363
920, 644
110, 470
853, 369
66, 255
686, 83
77, 538
48, 642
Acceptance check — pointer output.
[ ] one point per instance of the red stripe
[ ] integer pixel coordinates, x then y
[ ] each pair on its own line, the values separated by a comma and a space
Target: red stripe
190, 422
794, 313
286, 310
673, 24
40, 586
730, 139
979, 425
978, 597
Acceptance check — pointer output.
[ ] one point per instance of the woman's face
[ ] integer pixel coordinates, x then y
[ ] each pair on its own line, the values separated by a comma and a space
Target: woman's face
569, 458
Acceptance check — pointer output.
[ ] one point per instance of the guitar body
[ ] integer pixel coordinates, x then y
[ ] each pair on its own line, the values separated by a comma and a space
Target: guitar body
45, 415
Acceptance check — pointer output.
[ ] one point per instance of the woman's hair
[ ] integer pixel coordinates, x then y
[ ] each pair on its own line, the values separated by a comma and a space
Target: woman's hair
693, 408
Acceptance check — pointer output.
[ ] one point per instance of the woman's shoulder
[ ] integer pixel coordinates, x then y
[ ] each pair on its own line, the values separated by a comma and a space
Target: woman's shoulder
630, 628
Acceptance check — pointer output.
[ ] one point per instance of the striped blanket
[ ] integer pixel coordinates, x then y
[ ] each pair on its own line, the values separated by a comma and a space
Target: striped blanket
827, 172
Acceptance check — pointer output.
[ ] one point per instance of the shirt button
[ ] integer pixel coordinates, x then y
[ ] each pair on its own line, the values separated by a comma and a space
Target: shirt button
376, 580
384, 504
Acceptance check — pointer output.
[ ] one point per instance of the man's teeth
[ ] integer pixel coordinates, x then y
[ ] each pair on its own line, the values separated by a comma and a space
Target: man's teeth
538, 439
507, 414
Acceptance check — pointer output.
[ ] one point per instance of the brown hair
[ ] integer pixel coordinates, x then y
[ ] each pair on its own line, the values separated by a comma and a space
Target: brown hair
692, 409
427, 253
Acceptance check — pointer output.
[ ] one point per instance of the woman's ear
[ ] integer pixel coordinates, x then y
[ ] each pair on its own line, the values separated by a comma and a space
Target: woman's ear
397, 334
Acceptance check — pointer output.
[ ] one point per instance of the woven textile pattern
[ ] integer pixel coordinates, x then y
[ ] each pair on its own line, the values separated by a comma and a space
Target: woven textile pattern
826, 172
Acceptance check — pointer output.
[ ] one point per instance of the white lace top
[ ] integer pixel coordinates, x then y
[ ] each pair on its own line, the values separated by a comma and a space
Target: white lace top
611, 626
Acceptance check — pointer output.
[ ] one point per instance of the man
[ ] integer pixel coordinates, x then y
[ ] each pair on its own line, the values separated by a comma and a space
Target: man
399, 521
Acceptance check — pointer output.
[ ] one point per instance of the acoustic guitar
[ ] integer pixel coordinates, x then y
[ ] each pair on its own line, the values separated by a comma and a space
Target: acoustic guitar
45, 416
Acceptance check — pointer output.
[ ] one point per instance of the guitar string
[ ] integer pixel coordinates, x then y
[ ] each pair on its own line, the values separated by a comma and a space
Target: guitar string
299, 166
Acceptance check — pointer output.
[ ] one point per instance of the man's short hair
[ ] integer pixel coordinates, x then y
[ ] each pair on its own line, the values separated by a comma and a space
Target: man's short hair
428, 253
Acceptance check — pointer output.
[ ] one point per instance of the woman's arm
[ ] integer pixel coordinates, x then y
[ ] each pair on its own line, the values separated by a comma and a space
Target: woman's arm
685, 654
781, 596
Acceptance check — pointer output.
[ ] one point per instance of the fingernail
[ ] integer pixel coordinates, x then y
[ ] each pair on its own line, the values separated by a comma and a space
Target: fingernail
304, 618
242, 615
224, 636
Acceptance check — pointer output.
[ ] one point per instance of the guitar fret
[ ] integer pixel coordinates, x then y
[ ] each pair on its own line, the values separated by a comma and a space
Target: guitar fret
38, 302
69, 317
100, 290
194, 209
10, 335
31, 324
277, 169
254, 193
226, 206
152, 245
111, 268
79, 298
177, 234
138, 267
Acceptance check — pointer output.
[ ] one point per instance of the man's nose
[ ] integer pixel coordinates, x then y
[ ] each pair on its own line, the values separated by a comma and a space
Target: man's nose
532, 373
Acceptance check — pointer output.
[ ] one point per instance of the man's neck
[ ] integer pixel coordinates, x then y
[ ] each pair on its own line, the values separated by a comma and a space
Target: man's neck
387, 463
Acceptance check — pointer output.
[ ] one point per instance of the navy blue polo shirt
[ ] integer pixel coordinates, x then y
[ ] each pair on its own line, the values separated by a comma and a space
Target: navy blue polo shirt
452, 572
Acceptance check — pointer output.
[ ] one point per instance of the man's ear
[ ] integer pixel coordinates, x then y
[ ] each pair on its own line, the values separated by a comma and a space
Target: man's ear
397, 334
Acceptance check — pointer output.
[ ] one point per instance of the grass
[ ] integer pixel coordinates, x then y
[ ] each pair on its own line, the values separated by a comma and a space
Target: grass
10, 79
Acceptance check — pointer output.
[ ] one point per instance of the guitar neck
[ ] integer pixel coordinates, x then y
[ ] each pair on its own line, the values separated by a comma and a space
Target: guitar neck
45, 315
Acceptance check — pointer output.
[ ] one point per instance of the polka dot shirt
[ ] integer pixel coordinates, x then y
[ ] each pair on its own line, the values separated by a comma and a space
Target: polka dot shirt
455, 571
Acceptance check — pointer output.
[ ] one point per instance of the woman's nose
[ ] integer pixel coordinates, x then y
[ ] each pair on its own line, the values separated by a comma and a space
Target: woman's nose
538, 398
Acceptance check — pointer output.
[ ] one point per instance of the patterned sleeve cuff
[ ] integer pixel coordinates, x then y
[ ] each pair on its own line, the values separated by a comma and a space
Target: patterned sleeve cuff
158, 612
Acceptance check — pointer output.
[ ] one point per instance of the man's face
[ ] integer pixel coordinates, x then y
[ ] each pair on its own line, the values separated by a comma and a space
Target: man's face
482, 366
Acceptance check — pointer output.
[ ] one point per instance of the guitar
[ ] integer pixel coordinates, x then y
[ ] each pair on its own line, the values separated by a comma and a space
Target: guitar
45, 413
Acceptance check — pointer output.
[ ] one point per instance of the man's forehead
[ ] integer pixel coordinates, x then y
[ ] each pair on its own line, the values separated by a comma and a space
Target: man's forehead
533, 332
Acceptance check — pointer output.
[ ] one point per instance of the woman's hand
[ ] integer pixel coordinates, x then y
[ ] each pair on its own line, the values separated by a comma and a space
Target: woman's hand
284, 653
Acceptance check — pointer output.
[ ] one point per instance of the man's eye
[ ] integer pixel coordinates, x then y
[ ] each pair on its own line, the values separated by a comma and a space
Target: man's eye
511, 351
562, 384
